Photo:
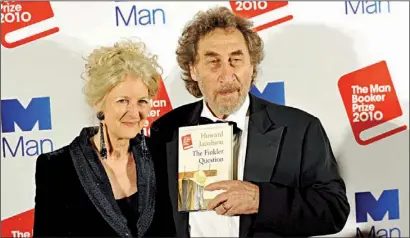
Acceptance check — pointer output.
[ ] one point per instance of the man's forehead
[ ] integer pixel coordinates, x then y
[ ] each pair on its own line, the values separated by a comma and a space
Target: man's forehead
222, 48
221, 38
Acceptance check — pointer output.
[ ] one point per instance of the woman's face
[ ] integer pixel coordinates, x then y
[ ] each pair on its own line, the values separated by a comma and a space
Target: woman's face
126, 108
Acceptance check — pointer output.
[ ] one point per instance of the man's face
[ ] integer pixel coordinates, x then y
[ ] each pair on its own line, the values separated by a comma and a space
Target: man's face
223, 70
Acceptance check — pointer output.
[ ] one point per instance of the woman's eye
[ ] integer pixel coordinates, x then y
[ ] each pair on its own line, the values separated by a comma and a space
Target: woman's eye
123, 101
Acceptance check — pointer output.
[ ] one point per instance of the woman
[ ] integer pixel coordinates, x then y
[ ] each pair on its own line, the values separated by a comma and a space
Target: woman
103, 183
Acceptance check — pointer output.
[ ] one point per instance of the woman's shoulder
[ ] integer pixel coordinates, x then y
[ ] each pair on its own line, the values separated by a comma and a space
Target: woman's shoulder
63, 154
54, 159
56, 154
55, 168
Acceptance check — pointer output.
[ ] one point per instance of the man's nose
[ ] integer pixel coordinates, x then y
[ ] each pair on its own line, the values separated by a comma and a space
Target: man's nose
227, 71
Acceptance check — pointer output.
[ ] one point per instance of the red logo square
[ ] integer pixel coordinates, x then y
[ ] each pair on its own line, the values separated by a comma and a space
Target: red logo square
20, 22
370, 101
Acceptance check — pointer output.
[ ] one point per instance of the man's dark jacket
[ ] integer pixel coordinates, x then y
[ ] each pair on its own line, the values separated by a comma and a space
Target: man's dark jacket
288, 156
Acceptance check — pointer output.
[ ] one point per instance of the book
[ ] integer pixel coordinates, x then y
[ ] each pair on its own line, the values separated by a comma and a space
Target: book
204, 156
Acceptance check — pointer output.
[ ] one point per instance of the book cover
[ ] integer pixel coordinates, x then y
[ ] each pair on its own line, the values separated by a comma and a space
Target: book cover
205, 156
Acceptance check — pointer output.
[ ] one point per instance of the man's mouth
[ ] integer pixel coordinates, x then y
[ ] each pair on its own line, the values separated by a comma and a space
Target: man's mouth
229, 91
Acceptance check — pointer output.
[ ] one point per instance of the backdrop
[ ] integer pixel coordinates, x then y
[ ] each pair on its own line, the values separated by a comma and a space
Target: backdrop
345, 62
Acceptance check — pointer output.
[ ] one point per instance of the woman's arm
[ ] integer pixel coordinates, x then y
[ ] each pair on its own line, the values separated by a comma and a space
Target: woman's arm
46, 209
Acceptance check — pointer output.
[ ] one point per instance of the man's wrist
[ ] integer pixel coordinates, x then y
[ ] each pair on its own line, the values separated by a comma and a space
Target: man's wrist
255, 207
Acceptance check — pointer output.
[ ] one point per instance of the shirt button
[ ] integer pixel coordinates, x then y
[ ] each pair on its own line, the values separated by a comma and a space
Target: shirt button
126, 234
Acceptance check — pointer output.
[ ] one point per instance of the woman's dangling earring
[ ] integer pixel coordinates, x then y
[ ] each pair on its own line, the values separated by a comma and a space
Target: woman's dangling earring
103, 149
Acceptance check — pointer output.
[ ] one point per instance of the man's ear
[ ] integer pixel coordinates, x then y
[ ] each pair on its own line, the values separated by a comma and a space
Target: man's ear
193, 72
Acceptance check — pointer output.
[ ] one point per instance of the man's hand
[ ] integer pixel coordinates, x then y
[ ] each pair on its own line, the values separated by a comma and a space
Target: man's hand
240, 197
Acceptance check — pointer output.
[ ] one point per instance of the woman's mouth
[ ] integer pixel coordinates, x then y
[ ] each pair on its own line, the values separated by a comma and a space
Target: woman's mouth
130, 124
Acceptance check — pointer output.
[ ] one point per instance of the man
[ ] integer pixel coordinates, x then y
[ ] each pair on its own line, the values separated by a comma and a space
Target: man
287, 178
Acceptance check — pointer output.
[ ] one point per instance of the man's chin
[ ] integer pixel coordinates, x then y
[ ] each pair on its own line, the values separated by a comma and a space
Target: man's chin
227, 99
227, 108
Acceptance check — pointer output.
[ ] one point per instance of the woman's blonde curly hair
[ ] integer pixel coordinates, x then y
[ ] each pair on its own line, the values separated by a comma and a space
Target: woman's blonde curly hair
204, 23
106, 67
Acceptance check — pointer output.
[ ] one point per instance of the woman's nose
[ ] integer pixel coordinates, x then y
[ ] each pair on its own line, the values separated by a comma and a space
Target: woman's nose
134, 110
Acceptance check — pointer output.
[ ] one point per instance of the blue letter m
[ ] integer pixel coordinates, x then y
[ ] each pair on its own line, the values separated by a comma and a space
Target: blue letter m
38, 110
274, 92
132, 15
366, 203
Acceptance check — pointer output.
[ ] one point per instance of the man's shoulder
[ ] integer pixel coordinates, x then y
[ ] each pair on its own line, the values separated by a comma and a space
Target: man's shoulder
287, 114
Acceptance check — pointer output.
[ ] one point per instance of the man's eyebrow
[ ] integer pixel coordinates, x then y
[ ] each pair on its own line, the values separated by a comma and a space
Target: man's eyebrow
236, 53
211, 54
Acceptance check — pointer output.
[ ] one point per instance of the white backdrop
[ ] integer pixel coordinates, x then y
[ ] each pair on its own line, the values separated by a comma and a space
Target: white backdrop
308, 53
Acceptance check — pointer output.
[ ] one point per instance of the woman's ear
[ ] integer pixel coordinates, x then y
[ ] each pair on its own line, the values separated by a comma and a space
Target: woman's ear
99, 106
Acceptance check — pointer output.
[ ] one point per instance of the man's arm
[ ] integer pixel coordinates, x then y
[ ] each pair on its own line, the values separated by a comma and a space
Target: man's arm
46, 217
319, 206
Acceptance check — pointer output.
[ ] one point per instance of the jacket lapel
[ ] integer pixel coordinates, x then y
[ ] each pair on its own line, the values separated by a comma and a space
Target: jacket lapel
146, 183
96, 184
181, 218
263, 145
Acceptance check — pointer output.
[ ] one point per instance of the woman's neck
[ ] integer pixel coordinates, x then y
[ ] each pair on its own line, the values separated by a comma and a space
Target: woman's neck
117, 148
